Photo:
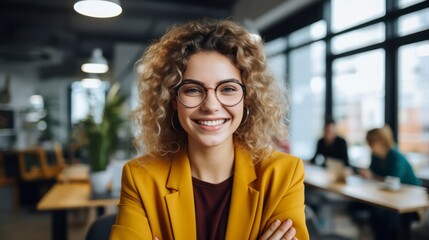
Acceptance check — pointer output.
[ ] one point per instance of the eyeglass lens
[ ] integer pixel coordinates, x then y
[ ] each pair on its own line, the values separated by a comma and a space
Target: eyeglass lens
228, 93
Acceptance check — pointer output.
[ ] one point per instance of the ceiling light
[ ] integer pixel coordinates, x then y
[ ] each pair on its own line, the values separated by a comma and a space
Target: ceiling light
98, 8
97, 63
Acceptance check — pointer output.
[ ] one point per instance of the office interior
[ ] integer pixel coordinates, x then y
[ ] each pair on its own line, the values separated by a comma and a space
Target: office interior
365, 63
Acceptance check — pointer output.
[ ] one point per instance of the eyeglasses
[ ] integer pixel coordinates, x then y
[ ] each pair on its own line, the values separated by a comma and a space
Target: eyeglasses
192, 93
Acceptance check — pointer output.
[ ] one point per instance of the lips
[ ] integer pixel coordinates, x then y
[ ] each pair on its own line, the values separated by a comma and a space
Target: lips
211, 123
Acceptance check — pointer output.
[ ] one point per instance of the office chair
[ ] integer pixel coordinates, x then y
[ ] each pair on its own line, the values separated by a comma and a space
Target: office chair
34, 163
100, 228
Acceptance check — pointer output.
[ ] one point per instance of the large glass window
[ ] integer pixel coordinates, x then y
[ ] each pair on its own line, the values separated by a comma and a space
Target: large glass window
85, 101
358, 95
275, 46
277, 65
307, 99
413, 132
349, 13
413, 22
358, 38
315, 31
277, 60
406, 3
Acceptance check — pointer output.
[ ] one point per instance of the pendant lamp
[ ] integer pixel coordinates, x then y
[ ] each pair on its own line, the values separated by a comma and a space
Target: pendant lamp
98, 8
97, 63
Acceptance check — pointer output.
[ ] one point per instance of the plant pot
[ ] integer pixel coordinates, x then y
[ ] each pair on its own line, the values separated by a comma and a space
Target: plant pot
100, 181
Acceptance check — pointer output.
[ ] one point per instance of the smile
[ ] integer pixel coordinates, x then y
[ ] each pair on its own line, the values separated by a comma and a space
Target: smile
212, 123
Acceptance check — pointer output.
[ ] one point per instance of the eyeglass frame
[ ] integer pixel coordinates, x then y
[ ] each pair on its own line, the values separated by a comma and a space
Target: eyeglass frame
192, 81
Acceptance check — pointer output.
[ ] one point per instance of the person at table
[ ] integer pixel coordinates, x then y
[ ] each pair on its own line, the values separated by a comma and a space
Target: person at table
208, 109
330, 146
386, 160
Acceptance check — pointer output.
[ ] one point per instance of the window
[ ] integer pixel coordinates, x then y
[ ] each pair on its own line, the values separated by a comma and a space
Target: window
358, 38
307, 98
277, 60
358, 96
275, 46
315, 31
407, 3
87, 100
413, 132
413, 22
349, 13
277, 65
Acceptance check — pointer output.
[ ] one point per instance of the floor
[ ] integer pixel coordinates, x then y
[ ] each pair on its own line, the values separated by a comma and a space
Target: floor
22, 223
31, 224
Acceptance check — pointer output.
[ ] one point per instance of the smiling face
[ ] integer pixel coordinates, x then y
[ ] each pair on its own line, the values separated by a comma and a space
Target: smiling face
210, 124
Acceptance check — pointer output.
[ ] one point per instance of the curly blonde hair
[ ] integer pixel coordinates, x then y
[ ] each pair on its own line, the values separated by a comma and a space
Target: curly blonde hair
164, 62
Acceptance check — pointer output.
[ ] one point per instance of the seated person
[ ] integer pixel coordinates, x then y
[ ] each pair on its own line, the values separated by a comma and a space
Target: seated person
386, 160
331, 145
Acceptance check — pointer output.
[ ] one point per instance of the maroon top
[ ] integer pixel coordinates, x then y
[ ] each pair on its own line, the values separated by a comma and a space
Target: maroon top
212, 208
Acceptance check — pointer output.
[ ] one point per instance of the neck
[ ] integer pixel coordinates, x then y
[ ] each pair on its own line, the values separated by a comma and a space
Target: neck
384, 153
211, 164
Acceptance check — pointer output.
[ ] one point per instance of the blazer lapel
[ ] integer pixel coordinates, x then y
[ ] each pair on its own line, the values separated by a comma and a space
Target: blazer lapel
244, 199
180, 202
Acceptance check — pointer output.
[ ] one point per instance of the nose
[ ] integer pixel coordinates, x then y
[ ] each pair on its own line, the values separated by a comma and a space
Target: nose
211, 103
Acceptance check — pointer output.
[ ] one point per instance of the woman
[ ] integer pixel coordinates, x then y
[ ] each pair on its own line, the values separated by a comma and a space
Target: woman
207, 112
385, 159
388, 161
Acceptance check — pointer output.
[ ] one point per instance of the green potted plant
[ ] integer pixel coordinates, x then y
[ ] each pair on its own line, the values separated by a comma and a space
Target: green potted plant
100, 139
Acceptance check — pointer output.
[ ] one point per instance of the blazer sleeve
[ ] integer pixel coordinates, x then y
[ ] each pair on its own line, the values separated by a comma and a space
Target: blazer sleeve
131, 222
291, 203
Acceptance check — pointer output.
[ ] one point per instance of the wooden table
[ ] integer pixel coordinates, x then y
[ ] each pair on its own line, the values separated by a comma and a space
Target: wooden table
66, 196
408, 199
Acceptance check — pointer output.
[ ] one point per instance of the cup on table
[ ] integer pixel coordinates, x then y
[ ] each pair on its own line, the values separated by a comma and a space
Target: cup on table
392, 182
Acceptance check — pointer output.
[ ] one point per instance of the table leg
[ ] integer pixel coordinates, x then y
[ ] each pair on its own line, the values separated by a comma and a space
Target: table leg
59, 225
100, 211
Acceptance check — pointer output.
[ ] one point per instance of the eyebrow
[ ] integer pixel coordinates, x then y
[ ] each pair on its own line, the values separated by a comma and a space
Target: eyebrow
184, 81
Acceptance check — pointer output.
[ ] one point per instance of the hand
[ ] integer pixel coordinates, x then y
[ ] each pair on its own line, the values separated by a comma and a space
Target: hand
280, 230
365, 173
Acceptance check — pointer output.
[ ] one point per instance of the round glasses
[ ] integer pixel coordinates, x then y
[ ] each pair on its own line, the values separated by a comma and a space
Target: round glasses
192, 93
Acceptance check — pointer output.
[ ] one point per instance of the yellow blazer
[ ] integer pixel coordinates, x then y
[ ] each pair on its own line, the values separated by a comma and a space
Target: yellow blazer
157, 197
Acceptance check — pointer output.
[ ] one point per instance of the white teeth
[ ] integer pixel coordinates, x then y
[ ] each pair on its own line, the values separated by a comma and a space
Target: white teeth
211, 123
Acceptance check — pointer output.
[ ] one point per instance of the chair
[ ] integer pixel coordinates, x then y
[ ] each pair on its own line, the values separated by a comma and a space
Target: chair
34, 164
314, 230
6, 180
100, 228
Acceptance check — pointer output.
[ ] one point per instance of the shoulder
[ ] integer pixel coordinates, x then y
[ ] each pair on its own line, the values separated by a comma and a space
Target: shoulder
279, 175
144, 167
341, 139
280, 163
396, 155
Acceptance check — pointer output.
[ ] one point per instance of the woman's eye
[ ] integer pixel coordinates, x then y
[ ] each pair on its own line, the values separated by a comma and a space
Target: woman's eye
228, 89
193, 91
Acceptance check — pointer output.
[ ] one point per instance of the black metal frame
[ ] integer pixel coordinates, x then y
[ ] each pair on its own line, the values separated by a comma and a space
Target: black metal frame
391, 45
